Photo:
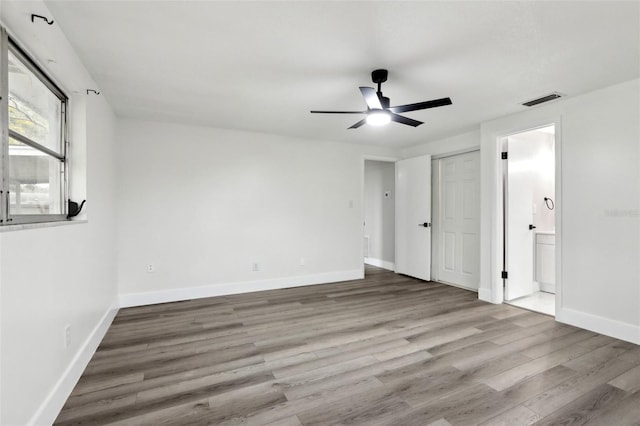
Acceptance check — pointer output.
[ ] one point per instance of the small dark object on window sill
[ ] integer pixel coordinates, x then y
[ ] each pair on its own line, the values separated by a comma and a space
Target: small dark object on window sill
74, 209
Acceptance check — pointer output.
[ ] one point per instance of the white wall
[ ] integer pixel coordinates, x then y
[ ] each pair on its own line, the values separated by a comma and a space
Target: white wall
597, 200
601, 195
544, 184
51, 277
379, 212
202, 205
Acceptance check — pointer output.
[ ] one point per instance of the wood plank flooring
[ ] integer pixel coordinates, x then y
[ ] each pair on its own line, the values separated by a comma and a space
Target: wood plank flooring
385, 350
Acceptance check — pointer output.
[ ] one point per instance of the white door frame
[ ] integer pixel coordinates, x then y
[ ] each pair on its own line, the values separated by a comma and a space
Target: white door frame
497, 289
362, 213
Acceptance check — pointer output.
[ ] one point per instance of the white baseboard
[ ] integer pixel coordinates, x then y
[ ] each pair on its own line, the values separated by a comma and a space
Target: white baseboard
177, 294
380, 263
548, 288
619, 330
53, 403
475, 290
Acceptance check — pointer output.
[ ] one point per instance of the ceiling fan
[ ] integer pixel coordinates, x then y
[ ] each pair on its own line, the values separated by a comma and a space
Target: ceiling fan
378, 110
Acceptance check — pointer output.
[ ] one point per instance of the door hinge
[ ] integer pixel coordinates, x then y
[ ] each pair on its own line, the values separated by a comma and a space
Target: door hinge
504, 155
505, 275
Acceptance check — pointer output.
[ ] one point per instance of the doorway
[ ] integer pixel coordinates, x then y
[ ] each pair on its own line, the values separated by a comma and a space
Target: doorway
529, 219
407, 193
379, 214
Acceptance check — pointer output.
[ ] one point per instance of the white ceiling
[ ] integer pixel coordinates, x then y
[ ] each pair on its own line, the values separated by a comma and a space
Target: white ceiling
261, 66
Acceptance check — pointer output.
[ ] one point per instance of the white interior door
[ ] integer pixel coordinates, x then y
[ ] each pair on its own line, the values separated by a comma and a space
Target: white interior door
459, 220
413, 217
519, 217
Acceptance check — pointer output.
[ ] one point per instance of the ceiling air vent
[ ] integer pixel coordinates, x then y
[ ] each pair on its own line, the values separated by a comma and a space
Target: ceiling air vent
546, 98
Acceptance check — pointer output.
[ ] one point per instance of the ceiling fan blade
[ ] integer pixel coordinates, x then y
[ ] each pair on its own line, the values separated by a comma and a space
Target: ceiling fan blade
359, 123
404, 120
421, 105
338, 112
371, 97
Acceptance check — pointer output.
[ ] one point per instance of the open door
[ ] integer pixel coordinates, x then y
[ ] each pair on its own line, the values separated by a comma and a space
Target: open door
519, 220
413, 217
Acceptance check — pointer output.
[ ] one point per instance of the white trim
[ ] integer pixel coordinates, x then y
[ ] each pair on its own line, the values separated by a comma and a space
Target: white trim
366, 247
548, 288
222, 289
559, 209
22, 226
486, 295
380, 263
598, 324
435, 219
475, 290
53, 403
368, 157
456, 152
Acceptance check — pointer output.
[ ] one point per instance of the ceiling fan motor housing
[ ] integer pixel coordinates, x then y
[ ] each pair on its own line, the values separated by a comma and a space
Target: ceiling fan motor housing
379, 76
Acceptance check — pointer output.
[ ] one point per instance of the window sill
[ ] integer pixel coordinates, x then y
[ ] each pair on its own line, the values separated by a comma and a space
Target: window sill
20, 227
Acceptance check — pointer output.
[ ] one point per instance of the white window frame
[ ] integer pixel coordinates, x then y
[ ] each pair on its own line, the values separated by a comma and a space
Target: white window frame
7, 45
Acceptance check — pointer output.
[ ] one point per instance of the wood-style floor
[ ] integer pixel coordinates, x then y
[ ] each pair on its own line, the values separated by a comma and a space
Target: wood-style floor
384, 350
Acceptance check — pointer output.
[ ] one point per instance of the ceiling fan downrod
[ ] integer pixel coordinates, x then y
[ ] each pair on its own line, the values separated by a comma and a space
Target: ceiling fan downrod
379, 77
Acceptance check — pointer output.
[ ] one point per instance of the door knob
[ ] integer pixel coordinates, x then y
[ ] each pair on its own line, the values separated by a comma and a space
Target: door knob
531, 227
426, 224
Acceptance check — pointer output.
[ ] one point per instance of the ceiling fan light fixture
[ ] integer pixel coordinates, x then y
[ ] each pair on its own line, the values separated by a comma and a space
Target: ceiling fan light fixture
378, 117
379, 112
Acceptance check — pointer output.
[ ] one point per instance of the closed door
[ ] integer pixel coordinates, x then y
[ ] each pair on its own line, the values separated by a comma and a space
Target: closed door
413, 217
459, 220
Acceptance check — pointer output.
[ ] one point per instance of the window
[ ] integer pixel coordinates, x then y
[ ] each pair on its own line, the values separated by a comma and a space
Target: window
34, 161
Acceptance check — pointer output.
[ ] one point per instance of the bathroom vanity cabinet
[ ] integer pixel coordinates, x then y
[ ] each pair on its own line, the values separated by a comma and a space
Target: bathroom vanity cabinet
545, 261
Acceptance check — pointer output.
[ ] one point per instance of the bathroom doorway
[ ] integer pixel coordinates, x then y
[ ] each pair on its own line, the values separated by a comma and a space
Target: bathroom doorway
529, 219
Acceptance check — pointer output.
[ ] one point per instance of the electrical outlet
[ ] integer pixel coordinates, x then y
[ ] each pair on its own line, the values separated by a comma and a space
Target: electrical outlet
255, 267
302, 261
151, 268
67, 335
